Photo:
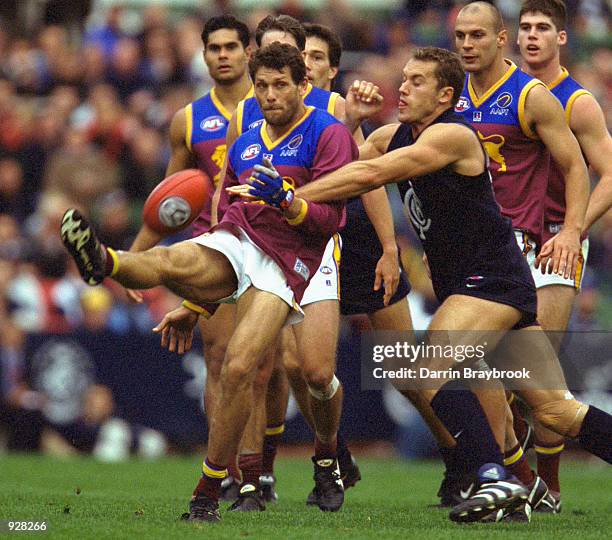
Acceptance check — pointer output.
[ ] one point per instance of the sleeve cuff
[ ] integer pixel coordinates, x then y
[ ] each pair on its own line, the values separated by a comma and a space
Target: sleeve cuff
297, 220
194, 307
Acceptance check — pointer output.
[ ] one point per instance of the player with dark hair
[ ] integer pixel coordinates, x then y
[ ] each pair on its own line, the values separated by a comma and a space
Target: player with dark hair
542, 33
259, 256
312, 361
197, 139
322, 54
441, 169
279, 28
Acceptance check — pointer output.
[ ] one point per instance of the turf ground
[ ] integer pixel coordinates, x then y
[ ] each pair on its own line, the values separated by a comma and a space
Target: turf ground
81, 498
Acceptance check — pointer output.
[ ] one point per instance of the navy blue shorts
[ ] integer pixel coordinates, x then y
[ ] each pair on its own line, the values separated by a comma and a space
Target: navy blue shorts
518, 294
361, 251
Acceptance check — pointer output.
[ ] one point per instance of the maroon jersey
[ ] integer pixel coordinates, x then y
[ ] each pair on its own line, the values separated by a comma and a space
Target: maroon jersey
519, 162
315, 145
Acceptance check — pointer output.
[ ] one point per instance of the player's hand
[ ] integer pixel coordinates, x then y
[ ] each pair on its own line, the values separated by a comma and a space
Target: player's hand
363, 100
269, 186
387, 274
426, 264
176, 329
560, 255
136, 297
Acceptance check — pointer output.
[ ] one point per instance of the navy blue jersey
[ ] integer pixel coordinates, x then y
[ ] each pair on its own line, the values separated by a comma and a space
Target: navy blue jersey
468, 243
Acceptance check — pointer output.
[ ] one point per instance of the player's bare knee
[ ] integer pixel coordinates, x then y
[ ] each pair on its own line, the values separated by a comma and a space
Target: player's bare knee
326, 392
318, 376
562, 416
237, 371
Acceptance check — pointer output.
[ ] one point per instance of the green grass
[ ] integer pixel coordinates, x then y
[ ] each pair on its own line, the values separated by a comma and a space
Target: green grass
81, 498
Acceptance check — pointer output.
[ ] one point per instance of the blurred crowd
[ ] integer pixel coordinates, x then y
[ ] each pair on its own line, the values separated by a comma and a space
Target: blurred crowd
85, 105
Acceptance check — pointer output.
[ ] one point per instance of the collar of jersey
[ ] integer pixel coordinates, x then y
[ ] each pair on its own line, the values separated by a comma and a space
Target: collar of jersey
478, 102
564, 75
270, 145
219, 105
308, 90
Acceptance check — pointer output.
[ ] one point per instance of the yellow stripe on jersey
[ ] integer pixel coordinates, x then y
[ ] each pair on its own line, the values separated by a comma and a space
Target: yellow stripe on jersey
511, 460
564, 75
477, 102
188, 125
212, 473
525, 127
331, 104
549, 451
570, 103
239, 116
217, 103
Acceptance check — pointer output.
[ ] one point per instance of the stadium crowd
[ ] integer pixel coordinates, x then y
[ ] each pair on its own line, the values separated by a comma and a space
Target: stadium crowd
85, 110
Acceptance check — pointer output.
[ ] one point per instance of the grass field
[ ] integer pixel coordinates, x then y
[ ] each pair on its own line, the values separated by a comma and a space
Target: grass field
81, 498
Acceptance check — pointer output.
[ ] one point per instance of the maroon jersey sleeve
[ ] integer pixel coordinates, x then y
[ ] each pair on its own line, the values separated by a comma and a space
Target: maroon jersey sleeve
335, 149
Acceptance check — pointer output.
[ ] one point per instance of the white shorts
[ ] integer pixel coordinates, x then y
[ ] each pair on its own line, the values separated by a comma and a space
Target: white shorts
253, 267
529, 248
325, 284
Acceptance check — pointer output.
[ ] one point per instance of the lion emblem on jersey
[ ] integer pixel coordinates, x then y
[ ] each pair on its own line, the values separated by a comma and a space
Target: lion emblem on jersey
218, 157
493, 145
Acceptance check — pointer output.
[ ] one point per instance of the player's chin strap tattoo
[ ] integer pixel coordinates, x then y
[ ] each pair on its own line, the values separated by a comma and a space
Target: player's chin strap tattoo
268, 185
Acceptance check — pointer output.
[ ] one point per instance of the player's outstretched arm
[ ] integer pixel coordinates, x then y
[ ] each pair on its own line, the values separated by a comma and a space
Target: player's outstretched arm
545, 114
438, 146
589, 125
376, 204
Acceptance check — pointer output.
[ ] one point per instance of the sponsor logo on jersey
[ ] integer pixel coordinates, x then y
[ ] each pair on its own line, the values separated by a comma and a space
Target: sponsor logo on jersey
291, 148
300, 268
476, 116
420, 222
500, 107
462, 105
269, 157
253, 125
212, 123
250, 151
326, 270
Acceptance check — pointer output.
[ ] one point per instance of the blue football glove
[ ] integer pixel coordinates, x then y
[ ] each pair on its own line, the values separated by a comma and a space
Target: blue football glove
268, 185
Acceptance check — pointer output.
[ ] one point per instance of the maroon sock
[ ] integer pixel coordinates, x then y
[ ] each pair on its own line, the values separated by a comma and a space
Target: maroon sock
518, 423
210, 483
233, 470
517, 465
325, 450
270, 446
250, 465
548, 459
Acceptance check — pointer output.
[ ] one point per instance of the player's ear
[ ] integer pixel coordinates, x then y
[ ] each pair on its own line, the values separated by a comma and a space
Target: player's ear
248, 52
562, 37
333, 71
303, 86
445, 94
502, 37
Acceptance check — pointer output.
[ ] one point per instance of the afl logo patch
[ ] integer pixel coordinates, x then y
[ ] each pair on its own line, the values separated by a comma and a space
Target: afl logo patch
253, 125
326, 270
212, 123
504, 100
462, 105
250, 152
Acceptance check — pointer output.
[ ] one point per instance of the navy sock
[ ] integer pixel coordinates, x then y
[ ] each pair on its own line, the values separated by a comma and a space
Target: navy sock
596, 433
461, 413
344, 454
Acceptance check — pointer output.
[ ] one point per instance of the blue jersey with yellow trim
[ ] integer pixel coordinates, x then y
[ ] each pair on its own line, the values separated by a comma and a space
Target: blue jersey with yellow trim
207, 121
249, 114
519, 162
566, 90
